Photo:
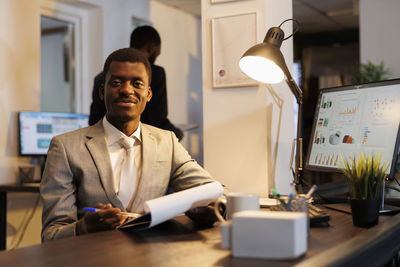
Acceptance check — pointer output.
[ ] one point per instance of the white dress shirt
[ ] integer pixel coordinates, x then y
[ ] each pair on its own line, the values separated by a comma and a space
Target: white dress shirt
117, 153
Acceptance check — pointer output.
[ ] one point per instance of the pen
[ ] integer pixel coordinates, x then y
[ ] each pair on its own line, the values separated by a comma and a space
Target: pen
275, 193
280, 200
290, 201
129, 214
311, 191
293, 187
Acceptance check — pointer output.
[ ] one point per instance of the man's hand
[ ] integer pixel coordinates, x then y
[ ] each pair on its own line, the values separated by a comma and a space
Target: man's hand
202, 216
106, 218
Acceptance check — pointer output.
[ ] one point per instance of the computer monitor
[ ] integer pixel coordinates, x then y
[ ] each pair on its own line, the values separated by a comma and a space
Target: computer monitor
37, 128
353, 119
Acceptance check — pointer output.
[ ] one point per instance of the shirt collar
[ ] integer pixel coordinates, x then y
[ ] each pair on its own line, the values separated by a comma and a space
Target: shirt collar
112, 134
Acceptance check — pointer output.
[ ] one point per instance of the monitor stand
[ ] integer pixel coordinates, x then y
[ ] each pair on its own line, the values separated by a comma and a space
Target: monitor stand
389, 206
388, 209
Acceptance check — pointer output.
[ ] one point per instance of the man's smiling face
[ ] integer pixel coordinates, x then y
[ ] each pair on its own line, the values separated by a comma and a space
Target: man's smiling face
126, 91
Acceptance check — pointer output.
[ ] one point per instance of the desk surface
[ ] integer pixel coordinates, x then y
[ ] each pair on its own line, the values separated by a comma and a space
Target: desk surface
174, 243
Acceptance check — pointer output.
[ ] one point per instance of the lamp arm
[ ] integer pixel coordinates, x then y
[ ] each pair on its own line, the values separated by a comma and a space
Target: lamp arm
298, 93
299, 147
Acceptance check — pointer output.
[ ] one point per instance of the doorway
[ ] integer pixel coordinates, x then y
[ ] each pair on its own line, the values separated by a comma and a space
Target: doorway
57, 65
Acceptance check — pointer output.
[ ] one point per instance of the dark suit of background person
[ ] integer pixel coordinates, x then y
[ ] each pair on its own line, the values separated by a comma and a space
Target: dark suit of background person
79, 173
147, 40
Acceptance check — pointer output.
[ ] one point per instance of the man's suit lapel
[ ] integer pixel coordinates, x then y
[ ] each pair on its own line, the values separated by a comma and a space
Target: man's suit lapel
149, 150
97, 147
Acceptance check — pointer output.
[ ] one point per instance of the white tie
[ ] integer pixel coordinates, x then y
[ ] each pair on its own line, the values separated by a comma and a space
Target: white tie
127, 182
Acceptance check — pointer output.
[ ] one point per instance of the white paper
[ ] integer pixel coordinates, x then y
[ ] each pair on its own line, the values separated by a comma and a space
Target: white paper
169, 206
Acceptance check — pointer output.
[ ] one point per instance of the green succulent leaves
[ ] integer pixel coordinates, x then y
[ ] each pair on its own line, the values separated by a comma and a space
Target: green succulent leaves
365, 175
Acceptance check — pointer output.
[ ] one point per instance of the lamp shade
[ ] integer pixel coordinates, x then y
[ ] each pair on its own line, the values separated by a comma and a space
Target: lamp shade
264, 62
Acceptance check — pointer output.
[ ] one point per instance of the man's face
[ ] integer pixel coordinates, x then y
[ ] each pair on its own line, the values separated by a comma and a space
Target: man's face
126, 91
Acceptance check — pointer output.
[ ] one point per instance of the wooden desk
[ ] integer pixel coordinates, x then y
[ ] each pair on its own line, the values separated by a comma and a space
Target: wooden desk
177, 243
34, 187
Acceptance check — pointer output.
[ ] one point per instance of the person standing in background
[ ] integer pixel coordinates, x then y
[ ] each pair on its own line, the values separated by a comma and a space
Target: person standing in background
147, 40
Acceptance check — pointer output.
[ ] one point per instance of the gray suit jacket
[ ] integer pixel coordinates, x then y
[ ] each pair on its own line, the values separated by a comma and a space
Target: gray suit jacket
78, 174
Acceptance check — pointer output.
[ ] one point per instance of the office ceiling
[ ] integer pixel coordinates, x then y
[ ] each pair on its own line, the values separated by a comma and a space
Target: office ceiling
314, 15
326, 15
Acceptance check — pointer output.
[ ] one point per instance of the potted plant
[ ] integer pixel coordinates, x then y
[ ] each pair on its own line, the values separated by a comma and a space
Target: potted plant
369, 72
365, 176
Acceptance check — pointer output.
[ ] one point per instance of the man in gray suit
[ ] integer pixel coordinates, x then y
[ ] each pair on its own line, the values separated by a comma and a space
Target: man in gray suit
83, 167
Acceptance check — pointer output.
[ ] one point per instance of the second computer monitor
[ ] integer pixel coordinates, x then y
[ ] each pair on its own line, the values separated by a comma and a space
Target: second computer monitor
37, 128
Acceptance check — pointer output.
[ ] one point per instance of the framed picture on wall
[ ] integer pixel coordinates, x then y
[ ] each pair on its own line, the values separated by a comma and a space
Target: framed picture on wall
231, 37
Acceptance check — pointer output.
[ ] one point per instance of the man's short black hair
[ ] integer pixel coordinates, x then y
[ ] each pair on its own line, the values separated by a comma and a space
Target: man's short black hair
144, 35
127, 54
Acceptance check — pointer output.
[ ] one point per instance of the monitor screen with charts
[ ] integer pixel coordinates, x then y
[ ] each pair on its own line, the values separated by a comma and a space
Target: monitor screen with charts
353, 119
37, 128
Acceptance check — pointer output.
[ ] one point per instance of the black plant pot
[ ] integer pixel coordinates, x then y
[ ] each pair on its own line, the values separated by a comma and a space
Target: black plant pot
365, 212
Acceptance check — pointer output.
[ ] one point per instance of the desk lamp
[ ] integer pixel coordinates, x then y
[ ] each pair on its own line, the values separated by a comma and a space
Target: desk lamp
265, 63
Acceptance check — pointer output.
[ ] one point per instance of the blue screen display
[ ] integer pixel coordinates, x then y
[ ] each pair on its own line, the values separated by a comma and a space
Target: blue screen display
37, 128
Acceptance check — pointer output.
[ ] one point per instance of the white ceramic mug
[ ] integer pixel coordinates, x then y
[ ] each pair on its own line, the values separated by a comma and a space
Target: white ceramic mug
236, 202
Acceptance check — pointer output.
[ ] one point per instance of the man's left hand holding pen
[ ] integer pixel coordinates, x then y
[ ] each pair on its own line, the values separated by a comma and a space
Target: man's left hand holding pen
105, 217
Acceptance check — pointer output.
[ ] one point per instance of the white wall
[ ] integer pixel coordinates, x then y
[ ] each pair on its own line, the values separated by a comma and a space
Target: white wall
19, 90
248, 131
19, 75
379, 38
117, 22
181, 57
